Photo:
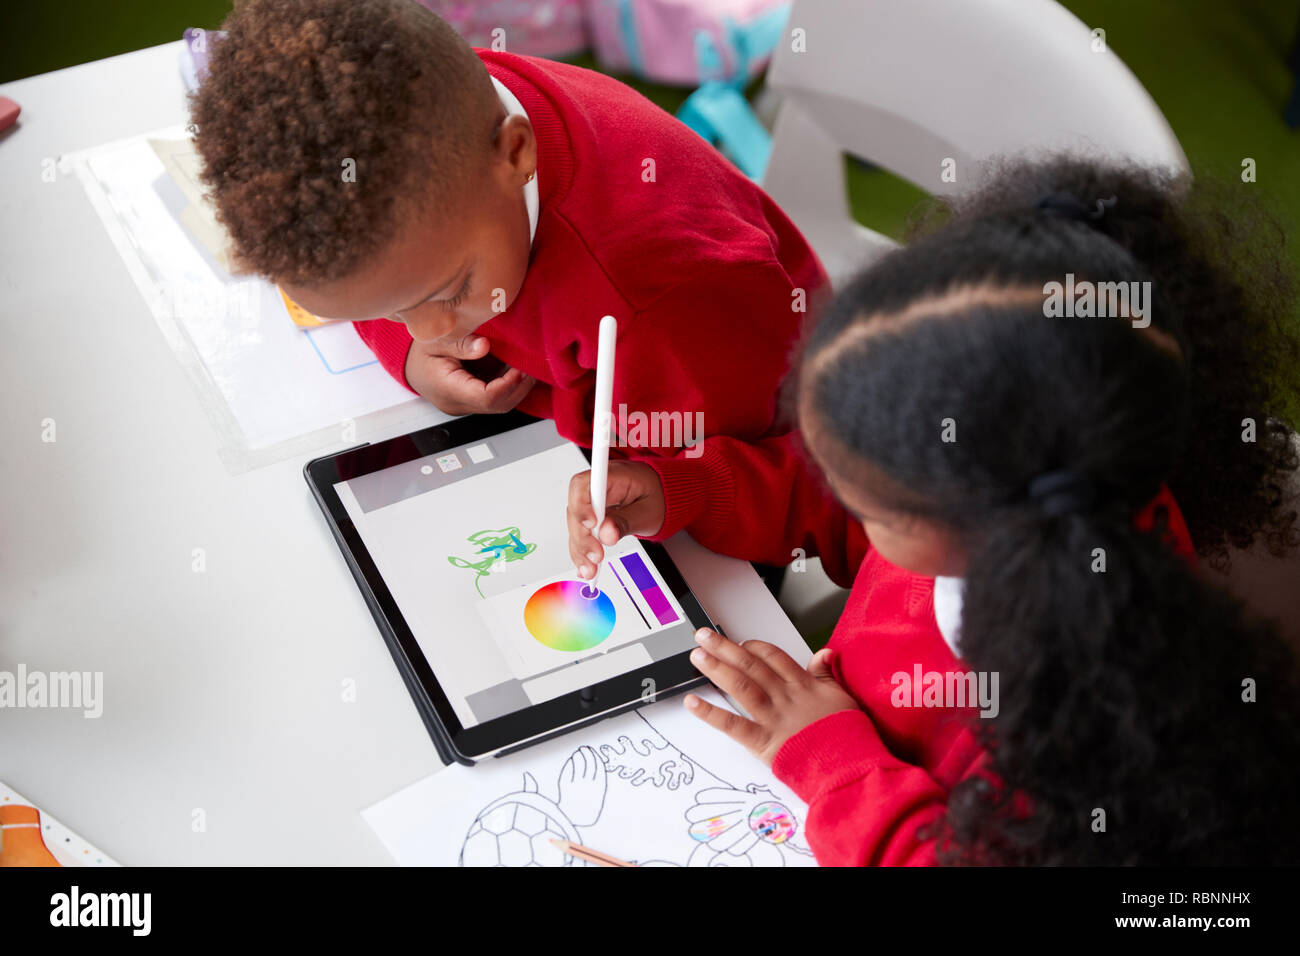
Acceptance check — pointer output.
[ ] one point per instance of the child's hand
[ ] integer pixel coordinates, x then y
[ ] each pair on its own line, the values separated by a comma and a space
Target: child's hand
444, 373
782, 697
634, 504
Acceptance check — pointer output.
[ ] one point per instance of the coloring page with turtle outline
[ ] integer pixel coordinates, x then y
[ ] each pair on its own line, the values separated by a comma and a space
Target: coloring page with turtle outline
657, 787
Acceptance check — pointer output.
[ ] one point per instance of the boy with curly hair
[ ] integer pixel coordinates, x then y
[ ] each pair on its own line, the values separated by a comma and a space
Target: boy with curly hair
475, 213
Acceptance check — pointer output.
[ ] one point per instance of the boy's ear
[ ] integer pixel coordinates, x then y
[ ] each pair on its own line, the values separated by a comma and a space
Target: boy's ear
515, 145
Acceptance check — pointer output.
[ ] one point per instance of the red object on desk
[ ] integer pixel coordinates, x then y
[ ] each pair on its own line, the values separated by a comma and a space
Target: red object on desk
9, 111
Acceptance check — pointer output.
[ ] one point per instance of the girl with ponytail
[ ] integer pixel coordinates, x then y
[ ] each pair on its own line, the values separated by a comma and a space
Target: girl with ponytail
1023, 495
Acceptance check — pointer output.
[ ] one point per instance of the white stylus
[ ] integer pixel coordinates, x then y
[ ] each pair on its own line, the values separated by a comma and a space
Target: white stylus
602, 418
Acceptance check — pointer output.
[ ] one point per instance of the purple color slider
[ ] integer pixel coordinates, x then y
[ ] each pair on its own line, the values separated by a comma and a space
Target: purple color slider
649, 588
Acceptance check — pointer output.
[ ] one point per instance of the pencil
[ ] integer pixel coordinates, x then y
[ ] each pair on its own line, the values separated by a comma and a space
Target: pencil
587, 853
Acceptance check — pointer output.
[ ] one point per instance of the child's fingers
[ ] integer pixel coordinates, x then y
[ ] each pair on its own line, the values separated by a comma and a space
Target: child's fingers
459, 390
450, 373
585, 550
591, 548
635, 498
740, 658
455, 382
781, 663
580, 497
451, 387
506, 391
746, 680
509, 378
463, 348
744, 732
820, 665
612, 530
623, 514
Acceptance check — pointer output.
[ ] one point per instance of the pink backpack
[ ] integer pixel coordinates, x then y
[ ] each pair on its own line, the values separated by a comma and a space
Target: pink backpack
686, 42
550, 28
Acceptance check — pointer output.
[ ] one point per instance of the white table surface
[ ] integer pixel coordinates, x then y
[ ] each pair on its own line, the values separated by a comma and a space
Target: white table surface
222, 689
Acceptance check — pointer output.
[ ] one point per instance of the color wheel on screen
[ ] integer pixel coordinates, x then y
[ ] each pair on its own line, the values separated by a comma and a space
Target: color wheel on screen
569, 615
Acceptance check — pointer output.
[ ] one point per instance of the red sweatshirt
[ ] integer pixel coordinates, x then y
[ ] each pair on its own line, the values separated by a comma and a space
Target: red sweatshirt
641, 219
873, 778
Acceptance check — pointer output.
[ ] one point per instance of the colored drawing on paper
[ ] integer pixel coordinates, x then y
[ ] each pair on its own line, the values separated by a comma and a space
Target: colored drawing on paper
492, 551
705, 830
772, 822
569, 616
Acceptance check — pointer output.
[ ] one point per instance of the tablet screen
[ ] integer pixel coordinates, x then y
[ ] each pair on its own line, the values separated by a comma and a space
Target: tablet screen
473, 546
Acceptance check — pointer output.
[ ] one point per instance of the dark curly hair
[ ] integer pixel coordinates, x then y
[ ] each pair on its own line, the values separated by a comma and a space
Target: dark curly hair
298, 87
1217, 257
1121, 690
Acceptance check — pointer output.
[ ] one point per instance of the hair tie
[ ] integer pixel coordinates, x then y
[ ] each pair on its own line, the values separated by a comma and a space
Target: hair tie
1069, 206
1062, 492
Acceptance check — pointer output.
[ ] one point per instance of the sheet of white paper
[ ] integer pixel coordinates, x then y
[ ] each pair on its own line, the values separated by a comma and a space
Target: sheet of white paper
274, 380
657, 787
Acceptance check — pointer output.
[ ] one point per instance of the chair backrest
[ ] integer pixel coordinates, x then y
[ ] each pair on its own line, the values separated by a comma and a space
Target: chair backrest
910, 84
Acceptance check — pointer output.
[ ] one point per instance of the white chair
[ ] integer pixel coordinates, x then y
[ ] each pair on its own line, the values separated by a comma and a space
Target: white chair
910, 84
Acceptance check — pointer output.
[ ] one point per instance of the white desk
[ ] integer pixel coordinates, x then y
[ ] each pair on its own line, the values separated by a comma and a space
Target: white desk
222, 689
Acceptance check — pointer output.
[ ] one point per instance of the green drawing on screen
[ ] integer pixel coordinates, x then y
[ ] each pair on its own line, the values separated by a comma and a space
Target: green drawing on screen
493, 550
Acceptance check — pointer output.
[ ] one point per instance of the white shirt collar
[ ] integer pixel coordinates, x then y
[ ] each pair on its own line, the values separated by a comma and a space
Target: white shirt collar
515, 108
947, 609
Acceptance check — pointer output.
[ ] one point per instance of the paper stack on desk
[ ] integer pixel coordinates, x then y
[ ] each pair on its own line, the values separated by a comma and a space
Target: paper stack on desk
181, 161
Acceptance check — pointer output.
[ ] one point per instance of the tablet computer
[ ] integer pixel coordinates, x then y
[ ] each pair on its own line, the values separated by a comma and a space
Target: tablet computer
457, 537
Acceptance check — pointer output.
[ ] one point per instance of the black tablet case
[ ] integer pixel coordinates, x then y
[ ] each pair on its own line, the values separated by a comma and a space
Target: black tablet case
438, 733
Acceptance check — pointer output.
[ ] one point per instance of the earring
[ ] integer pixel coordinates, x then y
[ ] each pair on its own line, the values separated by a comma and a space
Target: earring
530, 176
